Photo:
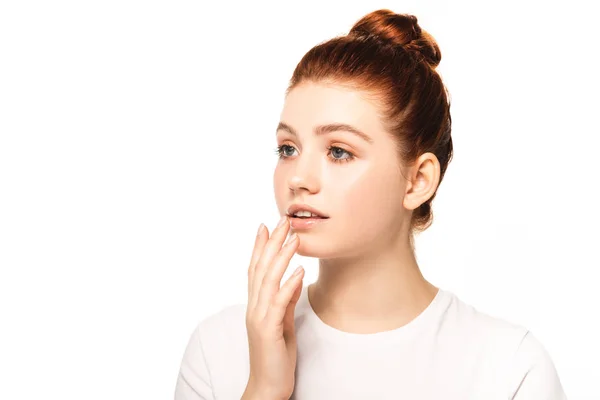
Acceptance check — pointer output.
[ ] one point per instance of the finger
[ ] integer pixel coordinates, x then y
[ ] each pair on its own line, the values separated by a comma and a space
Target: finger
272, 277
271, 248
283, 298
289, 316
259, 243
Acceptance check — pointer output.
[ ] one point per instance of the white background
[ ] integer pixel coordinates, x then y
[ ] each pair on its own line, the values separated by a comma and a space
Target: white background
136, 156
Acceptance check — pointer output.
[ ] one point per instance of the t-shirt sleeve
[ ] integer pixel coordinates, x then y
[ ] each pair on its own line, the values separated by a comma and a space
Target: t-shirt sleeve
533, 375
193, 380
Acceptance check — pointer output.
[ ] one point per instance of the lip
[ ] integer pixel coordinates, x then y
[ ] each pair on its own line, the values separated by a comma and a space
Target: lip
297, 207
305, 223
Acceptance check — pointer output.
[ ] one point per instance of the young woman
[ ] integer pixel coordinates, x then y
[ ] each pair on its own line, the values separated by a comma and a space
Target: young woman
364, 141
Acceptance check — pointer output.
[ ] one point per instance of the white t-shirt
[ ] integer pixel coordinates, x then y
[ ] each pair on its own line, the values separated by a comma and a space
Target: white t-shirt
449, 351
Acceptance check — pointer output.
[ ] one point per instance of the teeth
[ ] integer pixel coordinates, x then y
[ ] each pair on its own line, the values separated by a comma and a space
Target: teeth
305, 214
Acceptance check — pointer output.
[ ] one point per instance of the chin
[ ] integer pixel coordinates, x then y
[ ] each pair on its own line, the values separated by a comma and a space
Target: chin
315, 249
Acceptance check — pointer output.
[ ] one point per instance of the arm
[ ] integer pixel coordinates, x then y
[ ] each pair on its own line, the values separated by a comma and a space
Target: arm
533, 375
194, 381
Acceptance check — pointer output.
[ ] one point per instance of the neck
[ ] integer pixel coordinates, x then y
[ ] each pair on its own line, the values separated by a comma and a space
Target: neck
373, 292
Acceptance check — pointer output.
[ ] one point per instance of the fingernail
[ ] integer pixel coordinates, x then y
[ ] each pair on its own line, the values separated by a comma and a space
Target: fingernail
281, 221
297, 271
260, 229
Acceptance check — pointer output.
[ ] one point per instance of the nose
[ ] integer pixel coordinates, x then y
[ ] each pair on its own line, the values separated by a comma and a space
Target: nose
304, 175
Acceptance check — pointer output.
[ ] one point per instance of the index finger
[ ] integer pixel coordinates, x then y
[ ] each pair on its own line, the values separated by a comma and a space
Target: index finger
262, 237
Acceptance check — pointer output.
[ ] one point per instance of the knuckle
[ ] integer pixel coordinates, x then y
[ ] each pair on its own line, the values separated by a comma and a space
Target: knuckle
268, 253
259, 266
269, 279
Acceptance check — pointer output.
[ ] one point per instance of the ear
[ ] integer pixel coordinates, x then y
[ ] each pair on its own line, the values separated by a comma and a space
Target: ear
423, 180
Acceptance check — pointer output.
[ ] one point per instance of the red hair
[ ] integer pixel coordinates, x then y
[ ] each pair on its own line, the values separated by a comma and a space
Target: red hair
390, 56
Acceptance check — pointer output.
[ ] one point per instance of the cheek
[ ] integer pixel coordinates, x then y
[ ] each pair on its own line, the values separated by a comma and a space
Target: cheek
279, 186
376, 199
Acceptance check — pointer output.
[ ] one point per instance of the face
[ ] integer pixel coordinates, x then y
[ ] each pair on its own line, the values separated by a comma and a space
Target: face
357, 183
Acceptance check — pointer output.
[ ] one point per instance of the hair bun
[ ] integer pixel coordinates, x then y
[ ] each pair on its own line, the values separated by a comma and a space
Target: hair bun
399, 30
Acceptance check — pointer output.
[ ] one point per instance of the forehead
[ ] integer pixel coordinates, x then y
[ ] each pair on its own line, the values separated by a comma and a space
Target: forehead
311, 104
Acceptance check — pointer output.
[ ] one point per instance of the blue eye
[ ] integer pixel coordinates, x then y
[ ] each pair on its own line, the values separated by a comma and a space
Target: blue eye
281, 150
333, 150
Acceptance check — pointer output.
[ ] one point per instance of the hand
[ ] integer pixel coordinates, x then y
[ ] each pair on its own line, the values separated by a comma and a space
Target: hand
270, 314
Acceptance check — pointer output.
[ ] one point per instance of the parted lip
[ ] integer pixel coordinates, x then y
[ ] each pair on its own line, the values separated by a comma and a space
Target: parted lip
304, 207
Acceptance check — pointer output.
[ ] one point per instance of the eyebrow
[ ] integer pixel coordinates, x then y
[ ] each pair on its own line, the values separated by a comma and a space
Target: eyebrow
325, 129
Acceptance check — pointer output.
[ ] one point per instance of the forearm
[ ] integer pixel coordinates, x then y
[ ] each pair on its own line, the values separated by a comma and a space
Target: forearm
254, 393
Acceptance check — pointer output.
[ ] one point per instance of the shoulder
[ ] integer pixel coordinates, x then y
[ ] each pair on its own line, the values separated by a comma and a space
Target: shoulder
216, 359
226, 321
533, 373
482, 328
509, 348
223, 333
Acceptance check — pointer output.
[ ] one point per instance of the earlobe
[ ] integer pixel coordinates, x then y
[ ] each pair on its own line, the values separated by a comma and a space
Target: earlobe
424, 180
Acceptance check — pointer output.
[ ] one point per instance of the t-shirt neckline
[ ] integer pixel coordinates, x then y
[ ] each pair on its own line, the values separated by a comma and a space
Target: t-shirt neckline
333, 335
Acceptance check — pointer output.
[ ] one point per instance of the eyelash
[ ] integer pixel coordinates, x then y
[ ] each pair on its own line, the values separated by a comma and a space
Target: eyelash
279, 152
